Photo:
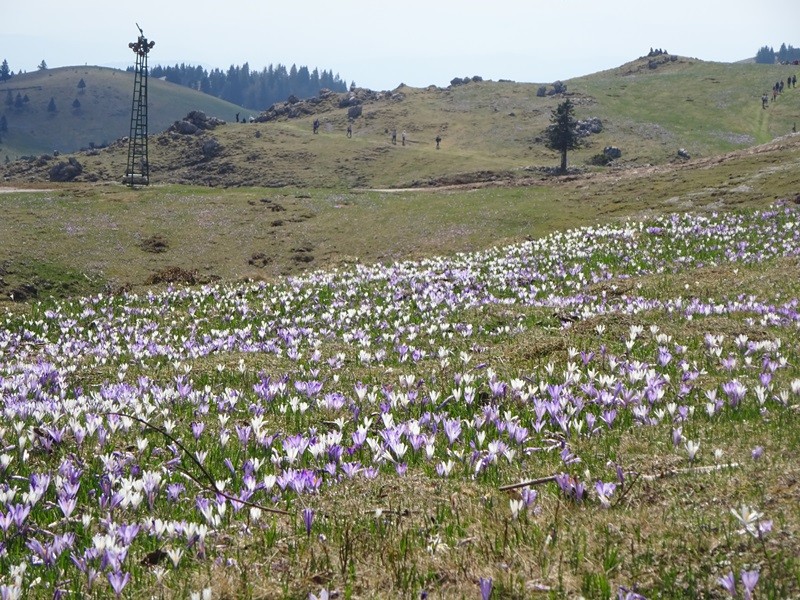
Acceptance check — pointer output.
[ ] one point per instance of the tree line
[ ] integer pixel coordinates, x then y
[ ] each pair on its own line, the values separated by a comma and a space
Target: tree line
252, 89
766, 55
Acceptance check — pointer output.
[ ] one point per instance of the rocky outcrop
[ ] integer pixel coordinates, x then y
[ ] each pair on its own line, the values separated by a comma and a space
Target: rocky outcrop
326, 101
66, 170
194, 122
587, 127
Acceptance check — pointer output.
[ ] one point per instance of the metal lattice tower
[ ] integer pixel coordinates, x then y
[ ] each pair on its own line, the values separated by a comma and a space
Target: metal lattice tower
138, 170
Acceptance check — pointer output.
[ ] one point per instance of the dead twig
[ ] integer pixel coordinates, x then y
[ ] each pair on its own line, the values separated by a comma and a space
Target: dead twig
530, 482
209, 488
689, 470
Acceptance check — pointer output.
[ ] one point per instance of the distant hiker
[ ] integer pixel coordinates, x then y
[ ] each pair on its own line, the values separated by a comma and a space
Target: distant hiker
794, 81
237, 117
349, 130
316, 125
764, 100
394, 136
404, 138
438, 140
788, 82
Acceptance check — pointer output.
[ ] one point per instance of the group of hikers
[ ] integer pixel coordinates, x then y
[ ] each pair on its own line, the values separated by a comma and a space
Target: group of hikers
403, 138
777, 90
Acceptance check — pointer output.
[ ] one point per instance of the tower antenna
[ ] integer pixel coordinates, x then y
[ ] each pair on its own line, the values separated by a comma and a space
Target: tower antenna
138, 169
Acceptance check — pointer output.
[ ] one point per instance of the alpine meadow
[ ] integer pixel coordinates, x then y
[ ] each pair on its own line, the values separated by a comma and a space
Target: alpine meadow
385, 344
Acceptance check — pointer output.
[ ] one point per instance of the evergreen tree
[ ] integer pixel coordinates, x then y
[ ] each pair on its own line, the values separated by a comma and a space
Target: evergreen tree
76, 104
254, 90
765, 55
18, 101
5, 71
9, 98
562, 134
81, 85
42, 66
51, 107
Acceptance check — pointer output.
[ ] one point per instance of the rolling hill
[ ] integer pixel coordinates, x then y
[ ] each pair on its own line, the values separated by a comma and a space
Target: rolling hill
490, 130
94, 114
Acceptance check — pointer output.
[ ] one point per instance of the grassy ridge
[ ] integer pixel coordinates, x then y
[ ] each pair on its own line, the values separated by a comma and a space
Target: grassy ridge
489, 130
104, 114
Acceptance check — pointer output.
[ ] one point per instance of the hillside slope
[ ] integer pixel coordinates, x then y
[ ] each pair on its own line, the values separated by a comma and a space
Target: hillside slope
96, 113
489, 130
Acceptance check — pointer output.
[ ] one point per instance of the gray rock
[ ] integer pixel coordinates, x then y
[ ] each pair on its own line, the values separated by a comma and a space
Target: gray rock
211, 148
66, 170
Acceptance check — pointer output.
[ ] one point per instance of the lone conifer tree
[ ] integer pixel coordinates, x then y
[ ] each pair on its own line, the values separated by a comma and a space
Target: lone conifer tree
5, 71
562, 134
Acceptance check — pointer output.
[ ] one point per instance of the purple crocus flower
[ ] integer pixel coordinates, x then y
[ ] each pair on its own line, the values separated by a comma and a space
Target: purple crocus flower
118, 581
452, 429
485, 584
729, 583
749, 581
735, 391
197, 429
308, 519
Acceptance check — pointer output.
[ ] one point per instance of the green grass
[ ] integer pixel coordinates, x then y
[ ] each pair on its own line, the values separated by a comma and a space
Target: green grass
489, 130
101, 231
104, 114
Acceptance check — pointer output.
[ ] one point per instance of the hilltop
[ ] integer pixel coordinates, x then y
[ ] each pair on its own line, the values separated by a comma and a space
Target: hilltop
648, 108
92, 109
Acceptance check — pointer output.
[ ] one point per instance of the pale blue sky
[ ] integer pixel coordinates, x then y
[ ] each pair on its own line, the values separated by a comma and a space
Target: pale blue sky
382, 44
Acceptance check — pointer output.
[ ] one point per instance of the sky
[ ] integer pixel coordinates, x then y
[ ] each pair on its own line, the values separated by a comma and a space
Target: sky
380, 44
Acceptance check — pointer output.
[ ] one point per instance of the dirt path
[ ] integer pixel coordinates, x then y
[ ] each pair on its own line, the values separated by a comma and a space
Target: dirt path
14, 190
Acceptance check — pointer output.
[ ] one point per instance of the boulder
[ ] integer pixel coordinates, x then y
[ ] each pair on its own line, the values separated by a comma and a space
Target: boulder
66, 170
211, 148
195, 121
589, 126
184, 128
612, 152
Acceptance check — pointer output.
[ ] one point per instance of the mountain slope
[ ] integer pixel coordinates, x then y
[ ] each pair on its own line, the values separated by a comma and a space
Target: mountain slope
101, 115
648, 108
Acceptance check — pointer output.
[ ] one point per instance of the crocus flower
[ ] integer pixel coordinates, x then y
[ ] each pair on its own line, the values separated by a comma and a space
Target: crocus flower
485, 584
118, 581
308, 519
729, 583
749, 581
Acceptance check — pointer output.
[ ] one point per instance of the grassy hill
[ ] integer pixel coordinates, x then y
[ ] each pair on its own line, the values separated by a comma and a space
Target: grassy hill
489, 130
103, 116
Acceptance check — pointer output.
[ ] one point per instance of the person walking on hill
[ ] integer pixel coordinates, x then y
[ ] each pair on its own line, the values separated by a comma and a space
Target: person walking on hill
394, 136
349, 130
438, 141
316, 125
404, 138
764, 100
